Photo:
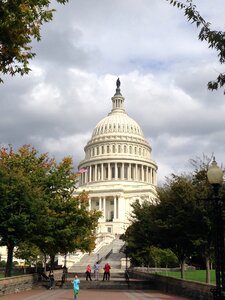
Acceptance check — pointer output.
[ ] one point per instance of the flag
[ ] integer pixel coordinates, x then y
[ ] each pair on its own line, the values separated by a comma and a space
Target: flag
82, 170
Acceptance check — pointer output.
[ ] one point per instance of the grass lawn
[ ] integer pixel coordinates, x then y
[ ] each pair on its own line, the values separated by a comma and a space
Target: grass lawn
193, 275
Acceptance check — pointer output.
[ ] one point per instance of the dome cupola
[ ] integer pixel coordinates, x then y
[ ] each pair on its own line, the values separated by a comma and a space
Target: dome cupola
117, 120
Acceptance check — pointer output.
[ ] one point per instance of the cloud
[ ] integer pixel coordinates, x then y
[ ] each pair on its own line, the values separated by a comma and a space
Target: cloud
163, 67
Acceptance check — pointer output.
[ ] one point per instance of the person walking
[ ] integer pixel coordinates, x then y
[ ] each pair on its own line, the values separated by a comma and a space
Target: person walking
88, 272
51, 279
76, 286
96, 270
106, 275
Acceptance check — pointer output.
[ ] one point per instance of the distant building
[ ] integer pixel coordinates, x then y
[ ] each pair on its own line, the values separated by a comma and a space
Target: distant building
117, 169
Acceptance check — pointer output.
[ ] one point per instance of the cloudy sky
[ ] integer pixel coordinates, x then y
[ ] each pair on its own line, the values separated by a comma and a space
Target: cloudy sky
162, 66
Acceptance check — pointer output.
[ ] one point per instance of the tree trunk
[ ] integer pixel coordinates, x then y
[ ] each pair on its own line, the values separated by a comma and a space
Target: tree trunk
52, 261
207, 263
45, 263
8, 268
182, 268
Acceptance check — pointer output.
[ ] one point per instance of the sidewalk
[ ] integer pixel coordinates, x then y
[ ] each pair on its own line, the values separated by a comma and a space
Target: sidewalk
61, 294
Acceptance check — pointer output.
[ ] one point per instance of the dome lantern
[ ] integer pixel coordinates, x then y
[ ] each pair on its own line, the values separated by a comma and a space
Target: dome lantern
118, 99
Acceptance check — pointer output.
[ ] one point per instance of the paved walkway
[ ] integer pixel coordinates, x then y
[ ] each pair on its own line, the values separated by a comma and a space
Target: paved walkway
60, 294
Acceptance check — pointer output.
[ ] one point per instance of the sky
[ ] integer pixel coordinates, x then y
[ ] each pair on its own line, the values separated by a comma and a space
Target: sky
163, 68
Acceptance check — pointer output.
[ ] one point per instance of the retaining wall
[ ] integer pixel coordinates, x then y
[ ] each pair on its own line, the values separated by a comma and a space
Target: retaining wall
189, 289
16, 284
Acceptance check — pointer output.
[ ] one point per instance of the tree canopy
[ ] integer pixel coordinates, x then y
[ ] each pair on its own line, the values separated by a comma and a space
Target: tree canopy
214, 38
38, 206
20, 22
181, 220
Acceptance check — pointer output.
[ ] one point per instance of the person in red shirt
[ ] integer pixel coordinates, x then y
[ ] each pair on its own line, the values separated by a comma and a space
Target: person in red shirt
106, 275
88, 272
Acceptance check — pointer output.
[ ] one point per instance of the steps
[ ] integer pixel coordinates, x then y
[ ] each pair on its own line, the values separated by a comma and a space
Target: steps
107, 253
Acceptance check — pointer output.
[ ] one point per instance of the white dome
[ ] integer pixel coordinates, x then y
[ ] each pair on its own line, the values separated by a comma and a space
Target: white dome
119, 123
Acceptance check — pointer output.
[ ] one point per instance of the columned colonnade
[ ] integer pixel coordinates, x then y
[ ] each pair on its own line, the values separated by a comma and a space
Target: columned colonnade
118, 171
108, 205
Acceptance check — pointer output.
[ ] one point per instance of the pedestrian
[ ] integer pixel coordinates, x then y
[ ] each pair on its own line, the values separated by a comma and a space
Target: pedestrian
96, 270
88, 272
76, 286
51, 279
106, 275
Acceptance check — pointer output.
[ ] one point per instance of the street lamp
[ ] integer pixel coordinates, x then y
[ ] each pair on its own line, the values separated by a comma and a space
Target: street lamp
215, 178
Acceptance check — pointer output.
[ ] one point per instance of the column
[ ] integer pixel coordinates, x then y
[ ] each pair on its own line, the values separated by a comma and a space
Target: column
104, 210
122, 171
136, 172
96, 174
142, 173
154, 177
90, 171
115, 208
109, 172
129, 172
121, 208
85, 177
102, 172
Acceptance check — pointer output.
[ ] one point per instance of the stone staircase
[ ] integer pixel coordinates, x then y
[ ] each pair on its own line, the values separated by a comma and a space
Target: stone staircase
112, 254
107, 253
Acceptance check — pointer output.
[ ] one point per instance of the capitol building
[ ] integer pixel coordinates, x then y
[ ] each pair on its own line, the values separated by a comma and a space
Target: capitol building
117, 168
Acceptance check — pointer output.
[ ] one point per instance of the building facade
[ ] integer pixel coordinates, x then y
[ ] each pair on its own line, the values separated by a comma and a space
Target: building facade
117, 169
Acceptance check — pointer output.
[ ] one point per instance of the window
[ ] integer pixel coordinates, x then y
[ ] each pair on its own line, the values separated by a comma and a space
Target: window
111, 215
119, 171
113, 171
125, 171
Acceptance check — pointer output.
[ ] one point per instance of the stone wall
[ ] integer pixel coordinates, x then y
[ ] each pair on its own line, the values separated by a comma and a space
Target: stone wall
16, 284
189, 289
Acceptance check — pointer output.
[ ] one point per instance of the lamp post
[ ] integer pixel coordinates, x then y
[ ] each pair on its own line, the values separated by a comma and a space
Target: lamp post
215, 178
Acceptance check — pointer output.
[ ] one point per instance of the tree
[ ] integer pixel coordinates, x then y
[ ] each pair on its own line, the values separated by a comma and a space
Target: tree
20, 23
214, 38
69, 225
22, 198
174, 222
38, 206
139, 235
29, 252
179, 218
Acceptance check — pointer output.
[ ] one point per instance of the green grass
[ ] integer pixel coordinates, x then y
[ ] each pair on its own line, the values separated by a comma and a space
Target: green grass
193, 275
